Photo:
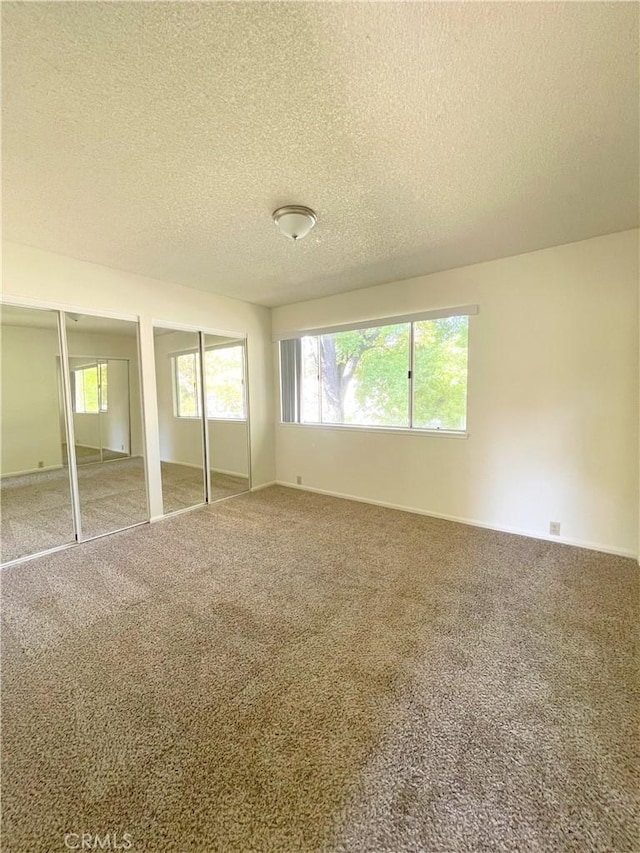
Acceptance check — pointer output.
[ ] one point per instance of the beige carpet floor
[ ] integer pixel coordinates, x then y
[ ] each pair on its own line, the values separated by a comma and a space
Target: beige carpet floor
35, 508
291, 672
182, 486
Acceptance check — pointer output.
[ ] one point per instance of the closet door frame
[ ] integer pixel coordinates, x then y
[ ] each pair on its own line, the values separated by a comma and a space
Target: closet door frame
68, 417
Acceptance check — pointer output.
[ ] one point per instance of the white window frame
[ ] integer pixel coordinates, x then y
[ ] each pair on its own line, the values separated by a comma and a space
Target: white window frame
411, 320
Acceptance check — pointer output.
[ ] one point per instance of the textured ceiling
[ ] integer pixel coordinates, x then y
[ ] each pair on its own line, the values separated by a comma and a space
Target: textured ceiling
158, 137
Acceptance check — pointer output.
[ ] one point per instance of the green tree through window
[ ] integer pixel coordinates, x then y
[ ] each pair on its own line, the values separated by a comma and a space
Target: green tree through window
90, 387
362, 376
440, 373
224, 383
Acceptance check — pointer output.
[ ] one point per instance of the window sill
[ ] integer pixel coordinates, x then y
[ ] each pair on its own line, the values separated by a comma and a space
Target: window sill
440, 433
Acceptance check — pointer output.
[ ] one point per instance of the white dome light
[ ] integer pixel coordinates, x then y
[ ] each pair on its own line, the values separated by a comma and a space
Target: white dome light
294, 221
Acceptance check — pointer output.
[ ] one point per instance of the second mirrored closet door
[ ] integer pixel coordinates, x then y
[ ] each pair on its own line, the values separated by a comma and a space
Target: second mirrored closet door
107, 423
202, 415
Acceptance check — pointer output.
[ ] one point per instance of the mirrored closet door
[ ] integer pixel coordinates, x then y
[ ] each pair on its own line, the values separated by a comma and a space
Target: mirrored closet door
107, 422
35, 487
227, 419
202, 415
180, 421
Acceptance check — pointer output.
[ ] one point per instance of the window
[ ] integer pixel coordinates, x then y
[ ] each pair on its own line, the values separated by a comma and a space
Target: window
224, 383
409, 375
186, 370
440, 349
224, 379
90, 388
358, 377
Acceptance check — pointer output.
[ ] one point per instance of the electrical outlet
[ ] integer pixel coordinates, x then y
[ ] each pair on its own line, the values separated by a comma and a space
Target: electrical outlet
554, 528
299, 480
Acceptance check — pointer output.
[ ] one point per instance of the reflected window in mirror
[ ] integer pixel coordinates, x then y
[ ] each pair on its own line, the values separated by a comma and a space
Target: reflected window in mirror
224, 368
227, 421
224, 381
186, 375
90, 388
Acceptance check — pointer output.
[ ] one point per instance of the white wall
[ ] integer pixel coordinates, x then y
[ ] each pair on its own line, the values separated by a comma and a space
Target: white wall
56, 280
553, 399
181, 438
122, 411
31, 436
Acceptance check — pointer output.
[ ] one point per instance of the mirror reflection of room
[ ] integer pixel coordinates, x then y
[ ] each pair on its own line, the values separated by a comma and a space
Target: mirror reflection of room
227, 420
180, 415
101, 422
107, 422
179, 419
35, 490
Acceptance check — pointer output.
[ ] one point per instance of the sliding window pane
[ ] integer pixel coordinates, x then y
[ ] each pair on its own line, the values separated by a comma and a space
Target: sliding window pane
85, 382
365, 376
224, 368
187, 377
310, 381
440, 373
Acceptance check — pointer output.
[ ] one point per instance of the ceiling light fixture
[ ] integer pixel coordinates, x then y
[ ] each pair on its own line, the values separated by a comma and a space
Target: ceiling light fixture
294, 220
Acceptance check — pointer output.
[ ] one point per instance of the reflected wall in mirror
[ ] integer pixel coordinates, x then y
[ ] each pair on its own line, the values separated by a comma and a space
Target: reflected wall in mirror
34, 485
179, 418
227, 415
107, 420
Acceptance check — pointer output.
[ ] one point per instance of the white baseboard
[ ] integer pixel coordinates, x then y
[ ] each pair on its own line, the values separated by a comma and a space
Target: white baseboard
266, 485
98, 448
199, 467
185, 464
578, 543
230, 473
33, 471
